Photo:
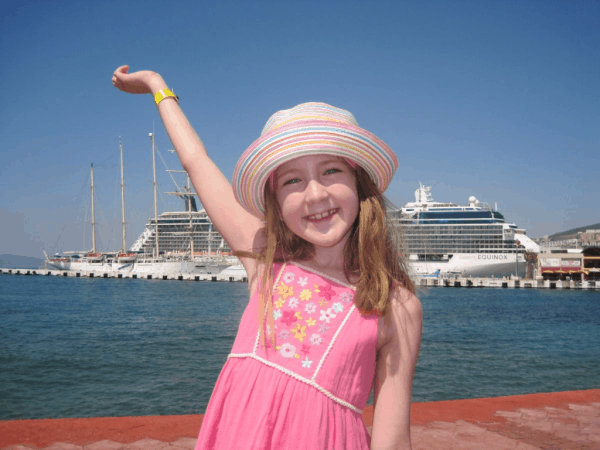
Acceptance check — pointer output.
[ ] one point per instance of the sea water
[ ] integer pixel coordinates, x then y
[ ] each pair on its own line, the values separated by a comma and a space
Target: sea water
92, 347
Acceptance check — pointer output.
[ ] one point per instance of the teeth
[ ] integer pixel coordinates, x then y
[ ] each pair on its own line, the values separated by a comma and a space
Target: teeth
321, 215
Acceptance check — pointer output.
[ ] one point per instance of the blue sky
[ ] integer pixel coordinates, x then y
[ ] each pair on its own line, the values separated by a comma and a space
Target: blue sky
500, 100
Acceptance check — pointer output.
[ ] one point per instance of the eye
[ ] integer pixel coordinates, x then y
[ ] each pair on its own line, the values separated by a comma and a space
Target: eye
291, 181
332, 170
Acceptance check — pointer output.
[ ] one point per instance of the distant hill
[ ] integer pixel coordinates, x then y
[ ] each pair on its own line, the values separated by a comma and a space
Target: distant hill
19, 262
570, 234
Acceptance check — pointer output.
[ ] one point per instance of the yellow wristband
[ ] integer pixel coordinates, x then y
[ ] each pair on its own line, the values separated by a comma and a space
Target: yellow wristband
162, 94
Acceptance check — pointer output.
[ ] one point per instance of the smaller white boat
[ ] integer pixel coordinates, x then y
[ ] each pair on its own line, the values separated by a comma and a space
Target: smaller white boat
94, 257
127, 257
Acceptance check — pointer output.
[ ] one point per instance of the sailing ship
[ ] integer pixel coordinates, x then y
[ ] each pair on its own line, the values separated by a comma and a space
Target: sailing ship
173, 243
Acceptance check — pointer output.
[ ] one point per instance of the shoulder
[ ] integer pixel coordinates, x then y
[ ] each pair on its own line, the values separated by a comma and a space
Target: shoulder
405, 303
404, 319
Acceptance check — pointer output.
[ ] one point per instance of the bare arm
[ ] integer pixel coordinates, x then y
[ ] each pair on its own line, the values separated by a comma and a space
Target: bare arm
240, 229
396, 361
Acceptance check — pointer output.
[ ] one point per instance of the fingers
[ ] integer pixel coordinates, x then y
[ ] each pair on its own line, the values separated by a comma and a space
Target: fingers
116, 81
134, 83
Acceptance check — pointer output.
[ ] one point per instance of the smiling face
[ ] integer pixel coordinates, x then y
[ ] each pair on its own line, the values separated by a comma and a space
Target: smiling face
318, 199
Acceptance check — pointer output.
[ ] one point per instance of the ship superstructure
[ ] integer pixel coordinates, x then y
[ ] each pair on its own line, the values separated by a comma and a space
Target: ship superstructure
473, 239
179, 232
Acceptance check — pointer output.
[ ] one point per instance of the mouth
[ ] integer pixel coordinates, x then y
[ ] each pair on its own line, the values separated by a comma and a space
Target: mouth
322, 215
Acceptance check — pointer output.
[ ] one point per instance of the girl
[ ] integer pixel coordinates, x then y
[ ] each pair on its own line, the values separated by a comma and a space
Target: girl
332, 312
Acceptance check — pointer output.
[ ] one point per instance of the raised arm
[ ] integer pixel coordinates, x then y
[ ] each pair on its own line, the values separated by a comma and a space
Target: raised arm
239, 228
396, 361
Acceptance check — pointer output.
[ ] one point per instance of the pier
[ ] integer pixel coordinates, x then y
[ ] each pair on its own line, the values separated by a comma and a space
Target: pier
223, 276
506, 283
425, 282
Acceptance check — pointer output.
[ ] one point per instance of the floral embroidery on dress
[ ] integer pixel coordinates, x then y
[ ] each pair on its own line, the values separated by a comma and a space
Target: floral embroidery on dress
289, 318
296, 313
327, 292
346, 297
338, 307
285, 291
316, 339
287, 350
327, 315
284, 334
305, 348
305, 295
279, 303
323, 328
298, 332
288, 277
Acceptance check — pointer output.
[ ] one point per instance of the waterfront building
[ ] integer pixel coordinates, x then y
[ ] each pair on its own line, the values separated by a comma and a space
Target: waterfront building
590, 237
570, 264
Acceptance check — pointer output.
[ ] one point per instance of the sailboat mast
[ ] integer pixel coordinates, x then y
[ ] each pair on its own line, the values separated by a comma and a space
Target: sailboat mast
155, 205
93, 214
123, 246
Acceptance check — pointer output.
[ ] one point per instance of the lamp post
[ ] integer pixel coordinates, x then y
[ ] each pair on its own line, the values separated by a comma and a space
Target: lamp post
151, 135
517, 259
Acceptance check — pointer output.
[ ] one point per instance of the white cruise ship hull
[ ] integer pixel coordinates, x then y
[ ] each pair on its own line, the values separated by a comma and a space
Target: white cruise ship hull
157, 268
472, 264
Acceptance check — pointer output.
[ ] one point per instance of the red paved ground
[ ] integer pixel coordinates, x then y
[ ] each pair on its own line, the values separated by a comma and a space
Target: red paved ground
561, 420
483, 410
43, 432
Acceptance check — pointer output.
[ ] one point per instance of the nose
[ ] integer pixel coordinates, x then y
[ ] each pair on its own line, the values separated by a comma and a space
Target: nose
315, 192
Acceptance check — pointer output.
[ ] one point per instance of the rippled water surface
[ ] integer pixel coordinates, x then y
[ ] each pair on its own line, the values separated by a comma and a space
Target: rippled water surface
91, 347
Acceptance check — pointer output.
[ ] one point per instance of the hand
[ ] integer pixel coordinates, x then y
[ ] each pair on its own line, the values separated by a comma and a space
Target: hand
142, 82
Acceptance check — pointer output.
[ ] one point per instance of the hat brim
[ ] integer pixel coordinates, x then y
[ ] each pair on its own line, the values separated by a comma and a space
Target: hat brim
308, 137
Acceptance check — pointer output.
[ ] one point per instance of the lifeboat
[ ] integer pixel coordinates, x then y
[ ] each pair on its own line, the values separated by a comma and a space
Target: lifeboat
94, 257
127, 257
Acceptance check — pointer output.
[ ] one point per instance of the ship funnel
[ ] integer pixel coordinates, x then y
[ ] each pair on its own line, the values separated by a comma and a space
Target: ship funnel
190, 202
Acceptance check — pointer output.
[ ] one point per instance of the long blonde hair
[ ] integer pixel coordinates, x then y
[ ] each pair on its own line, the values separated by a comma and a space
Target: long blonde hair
376, 258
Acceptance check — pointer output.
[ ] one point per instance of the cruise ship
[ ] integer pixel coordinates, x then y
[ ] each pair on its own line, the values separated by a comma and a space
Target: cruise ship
447, 239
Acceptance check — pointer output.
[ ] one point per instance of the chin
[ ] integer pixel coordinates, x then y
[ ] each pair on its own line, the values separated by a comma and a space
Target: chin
326, 241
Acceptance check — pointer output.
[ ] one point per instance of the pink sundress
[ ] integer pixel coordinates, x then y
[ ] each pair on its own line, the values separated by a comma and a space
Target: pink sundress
309, 389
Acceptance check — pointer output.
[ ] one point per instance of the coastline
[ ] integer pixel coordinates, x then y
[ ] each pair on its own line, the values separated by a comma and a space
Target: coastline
522, 419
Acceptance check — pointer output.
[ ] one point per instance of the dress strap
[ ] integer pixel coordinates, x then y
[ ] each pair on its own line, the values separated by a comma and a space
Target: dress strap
278, 276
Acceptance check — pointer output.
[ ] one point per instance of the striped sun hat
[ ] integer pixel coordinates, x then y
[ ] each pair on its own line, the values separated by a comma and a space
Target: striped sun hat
308, 129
